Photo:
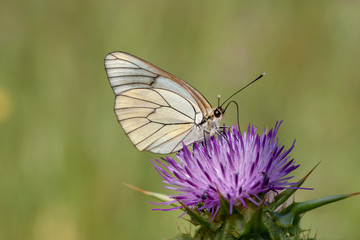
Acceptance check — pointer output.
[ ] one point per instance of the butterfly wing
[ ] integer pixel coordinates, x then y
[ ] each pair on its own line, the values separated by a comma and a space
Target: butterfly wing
157, 110
157, 120
126, 71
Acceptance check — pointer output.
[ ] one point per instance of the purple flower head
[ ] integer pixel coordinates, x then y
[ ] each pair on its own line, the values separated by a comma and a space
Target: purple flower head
241, 167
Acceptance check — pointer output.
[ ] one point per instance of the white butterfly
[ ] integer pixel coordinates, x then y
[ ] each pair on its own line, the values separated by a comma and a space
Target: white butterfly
157, 110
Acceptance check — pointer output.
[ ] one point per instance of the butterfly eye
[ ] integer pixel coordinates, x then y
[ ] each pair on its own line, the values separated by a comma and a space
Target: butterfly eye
217, 113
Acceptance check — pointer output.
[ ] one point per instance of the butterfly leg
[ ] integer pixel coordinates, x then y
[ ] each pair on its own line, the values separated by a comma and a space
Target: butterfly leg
224, 128
205, 142
224, 136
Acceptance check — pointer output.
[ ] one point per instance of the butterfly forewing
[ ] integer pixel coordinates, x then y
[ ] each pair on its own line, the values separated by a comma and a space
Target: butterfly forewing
126, 71
157, 110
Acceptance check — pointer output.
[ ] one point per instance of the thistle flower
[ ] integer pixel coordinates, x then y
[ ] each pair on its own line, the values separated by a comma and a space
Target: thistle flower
235, 186
242, 168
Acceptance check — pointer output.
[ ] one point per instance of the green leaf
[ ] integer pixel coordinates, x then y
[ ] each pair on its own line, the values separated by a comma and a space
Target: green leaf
195, 217
159, 196
255, 225
224, 205
182, 236
291, 215
306, 206
286, 216
283, 196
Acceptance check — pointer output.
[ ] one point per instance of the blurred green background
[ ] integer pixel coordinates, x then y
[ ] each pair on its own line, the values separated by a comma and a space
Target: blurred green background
64, 157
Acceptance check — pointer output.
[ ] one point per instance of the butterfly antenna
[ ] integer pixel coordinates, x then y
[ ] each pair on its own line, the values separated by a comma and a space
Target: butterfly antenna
237, 111
219, 96
244, 88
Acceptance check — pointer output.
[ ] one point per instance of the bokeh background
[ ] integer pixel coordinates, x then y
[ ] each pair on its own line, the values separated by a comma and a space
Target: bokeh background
64, 157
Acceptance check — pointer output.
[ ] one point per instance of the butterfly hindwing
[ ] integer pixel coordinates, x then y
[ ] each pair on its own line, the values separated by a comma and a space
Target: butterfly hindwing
152, 121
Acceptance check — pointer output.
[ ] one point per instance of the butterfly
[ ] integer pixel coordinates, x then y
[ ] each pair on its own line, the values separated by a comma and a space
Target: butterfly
158, 111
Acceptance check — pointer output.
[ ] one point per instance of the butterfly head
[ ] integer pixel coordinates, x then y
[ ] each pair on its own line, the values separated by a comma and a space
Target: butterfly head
211, 122
216, 115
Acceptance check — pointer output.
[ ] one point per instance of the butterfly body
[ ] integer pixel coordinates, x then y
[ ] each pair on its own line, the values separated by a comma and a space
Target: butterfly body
211, 123
157, 110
